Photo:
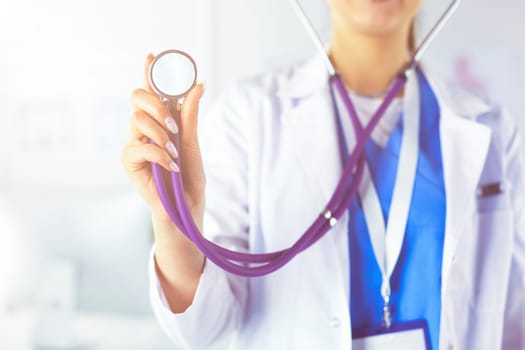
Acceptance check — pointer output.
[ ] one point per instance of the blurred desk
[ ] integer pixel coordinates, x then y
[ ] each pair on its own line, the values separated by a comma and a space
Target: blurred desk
91, 331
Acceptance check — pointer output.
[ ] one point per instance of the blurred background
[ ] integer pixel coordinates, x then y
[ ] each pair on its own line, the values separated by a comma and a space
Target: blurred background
74, 236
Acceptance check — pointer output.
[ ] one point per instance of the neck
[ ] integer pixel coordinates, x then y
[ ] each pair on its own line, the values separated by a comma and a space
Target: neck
368, 64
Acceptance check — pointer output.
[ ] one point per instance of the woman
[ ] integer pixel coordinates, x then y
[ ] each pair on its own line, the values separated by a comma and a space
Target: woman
272, 155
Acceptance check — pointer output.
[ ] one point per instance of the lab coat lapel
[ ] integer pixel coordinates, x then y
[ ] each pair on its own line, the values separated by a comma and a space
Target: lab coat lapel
311, 126
308, 120
464, 147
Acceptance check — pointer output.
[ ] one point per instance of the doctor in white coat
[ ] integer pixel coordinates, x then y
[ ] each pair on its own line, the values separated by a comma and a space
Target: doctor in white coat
270, 161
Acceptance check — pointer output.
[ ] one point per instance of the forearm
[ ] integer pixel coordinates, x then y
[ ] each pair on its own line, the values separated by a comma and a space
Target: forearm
179, 263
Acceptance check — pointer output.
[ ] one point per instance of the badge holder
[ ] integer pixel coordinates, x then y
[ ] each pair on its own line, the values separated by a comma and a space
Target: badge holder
400, 336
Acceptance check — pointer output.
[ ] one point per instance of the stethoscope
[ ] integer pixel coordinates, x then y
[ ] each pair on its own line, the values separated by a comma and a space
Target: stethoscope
173, 74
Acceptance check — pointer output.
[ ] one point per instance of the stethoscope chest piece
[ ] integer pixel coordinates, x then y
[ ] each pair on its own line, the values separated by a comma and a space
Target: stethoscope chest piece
172, 74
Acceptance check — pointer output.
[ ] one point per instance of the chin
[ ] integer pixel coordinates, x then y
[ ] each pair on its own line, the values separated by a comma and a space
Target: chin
380, 18
376, 17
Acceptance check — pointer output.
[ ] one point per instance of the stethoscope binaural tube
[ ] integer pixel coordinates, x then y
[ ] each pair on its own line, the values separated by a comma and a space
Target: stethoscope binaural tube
240, 263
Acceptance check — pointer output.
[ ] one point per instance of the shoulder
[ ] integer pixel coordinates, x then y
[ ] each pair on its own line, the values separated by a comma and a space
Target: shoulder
474, 106
278, 86
503, 162
247, 107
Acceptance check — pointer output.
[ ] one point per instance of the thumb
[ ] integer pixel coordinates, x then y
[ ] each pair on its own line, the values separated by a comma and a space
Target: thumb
189, 114
147, 65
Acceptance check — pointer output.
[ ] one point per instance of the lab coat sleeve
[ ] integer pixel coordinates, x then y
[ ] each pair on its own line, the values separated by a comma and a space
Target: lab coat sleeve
514, 324
217, 308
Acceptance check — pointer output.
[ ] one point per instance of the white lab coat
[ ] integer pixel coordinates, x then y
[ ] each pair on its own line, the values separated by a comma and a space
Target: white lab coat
271, 158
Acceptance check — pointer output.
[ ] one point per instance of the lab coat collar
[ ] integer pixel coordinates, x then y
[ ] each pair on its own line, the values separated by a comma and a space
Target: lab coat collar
464, 146
305, 79
311, 76
461, 135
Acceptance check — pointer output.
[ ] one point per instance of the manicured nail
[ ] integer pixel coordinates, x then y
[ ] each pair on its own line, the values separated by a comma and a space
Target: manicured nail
174, 167
204, 84
172, 149
171, 125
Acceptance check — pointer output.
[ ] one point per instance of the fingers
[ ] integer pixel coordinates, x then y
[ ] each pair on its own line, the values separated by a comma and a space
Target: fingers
189, 114
145, 100
144, 125
147, 65
136, 157
150, 103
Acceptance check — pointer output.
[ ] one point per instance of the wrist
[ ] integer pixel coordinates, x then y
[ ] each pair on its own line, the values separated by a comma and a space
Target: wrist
169, 239
160, 218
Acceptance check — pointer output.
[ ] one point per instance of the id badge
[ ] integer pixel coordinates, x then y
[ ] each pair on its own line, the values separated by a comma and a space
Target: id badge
400, 336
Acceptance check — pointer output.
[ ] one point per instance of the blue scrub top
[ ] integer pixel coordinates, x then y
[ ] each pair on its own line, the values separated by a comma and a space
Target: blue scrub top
416, 280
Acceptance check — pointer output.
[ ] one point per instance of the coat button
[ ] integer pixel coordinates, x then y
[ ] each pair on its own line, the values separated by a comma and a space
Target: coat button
335, 322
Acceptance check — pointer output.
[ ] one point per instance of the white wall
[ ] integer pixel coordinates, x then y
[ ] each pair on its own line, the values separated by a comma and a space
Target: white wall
491, 32
70, 69
253, 36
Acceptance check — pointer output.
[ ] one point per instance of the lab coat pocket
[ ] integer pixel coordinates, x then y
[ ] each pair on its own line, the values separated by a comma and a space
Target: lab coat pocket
477, 291
491, 262
495, 203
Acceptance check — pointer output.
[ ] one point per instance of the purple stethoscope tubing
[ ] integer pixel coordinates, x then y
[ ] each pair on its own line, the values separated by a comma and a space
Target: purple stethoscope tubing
273, 261
235, 262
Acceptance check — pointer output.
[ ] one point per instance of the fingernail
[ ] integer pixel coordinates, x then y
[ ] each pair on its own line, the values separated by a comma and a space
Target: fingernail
204, 84
172, 149
174, 167
171, 125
